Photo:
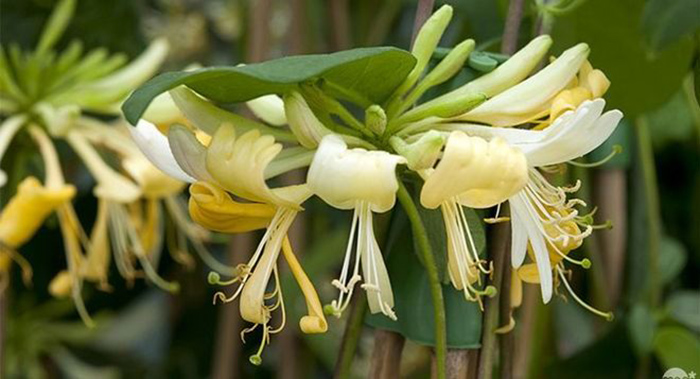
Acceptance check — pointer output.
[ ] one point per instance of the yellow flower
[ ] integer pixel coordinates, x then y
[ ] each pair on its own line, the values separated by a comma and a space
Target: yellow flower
477, 174
214, 209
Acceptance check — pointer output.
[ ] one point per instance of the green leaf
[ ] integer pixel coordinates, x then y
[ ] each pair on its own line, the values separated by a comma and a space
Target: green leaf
56, 25
642, 326
673, 122
684, 307
672, 259
641, 79
665, 22
371, 74
413, 302
678, 347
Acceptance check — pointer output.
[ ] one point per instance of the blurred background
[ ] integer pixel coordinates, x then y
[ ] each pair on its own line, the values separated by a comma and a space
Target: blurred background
645, 268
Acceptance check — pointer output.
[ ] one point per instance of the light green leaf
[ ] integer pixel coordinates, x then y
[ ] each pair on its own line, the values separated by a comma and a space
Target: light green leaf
678, 347
370, 74
684, 307
672, 259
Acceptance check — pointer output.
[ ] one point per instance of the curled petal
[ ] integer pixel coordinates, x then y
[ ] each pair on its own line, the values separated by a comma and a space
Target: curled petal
482, 174
213, 208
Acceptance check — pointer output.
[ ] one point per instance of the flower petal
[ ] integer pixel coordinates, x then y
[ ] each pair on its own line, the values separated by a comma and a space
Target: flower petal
343, 177
189, 153
539, 247
155, 147
518, 244
269, 108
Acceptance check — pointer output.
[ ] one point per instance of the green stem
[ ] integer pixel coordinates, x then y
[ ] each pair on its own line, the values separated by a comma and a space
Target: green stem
651, 199
420, 235
351, 337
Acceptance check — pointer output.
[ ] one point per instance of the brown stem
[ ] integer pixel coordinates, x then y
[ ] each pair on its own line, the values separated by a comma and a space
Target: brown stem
424, 10
228, 341
340, 22
512, 28
258, 30
525, 332
386, 357
507, 340
612, 205
460, 364
289, 364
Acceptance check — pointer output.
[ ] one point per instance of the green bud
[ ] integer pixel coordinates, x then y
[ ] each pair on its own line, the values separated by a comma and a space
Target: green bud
447, 107
508, 74
450, 65
426, 41
421, 154
302, 121
375, 119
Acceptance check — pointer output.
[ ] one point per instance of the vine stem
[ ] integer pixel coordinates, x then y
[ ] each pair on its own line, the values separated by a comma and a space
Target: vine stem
420, 235
351, 336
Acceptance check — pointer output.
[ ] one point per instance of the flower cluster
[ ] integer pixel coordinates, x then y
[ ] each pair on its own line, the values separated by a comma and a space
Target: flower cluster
488, 142
65, 97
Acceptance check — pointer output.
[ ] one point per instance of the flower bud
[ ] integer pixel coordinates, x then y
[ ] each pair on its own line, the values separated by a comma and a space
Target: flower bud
421, 154
503, 77
375, 119
450, 65
425, 43
532, 98
302, 121
269, 108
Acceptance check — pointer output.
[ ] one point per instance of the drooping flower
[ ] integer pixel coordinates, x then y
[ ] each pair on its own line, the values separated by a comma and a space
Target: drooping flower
477, 174
542, 216
240, 165
364, 181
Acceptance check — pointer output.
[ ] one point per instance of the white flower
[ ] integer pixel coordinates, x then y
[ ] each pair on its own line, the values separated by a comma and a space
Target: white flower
154, 145
366, 182
539, 211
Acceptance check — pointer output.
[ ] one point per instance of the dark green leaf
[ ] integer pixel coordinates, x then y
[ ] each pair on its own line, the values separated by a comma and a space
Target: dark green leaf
684, 307
642, 326
413, 302
667, 21
672, 122
678, 347
641, 80
368, 73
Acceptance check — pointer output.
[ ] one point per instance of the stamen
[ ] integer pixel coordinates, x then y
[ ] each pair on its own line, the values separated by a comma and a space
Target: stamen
337, 306
24, 265
606, 315
616, 149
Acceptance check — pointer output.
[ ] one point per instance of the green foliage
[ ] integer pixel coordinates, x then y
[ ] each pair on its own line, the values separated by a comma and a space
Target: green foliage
642, 328
672, 259
641, 79
413, 300
684, 307
365, 75
678, 347
665, 22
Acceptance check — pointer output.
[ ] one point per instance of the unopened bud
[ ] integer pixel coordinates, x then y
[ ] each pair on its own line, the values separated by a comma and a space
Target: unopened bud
451, 64
269, 108
375, 119
426, 41
421, 154
302, 121
61, 285
447, 107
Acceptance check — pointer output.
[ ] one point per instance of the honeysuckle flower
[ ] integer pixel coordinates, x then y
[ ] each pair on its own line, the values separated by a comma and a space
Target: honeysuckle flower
541, 214
238, 164
269, 108
364, 181
45, 93
477, 174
